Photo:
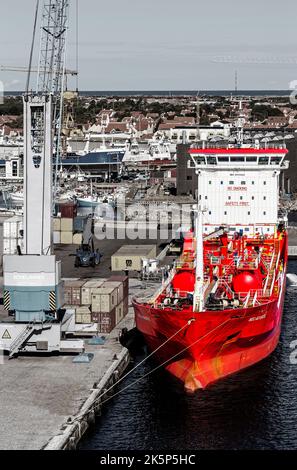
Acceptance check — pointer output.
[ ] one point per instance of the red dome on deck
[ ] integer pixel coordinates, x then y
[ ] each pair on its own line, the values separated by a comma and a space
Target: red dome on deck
246, 281
184, 281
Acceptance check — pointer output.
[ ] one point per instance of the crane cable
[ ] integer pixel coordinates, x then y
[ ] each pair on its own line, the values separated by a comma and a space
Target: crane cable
32, 47
153, 370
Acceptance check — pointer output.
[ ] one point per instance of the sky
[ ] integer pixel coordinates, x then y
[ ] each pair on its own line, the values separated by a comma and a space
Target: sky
165, 44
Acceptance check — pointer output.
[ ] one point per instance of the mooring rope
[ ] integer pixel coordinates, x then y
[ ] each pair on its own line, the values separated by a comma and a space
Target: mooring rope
153, 370
140, 363
164, 363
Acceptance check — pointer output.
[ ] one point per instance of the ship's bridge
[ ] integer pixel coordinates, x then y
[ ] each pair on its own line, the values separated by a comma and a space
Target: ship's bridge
239, 157
239, 187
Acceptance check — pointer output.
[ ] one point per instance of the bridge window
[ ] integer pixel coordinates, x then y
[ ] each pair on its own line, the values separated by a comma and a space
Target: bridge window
275, 160
200, 160
263, 161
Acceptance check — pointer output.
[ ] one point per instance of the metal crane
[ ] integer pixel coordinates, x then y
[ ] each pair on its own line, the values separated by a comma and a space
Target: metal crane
32, 279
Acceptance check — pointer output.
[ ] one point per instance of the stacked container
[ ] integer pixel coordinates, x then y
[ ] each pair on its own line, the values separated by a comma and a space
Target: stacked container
110, 303
88, 289
72, 292
83, 315
12, 235
68, 229
100, 301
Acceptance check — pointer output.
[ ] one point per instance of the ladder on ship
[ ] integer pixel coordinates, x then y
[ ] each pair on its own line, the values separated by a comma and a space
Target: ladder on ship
269, 283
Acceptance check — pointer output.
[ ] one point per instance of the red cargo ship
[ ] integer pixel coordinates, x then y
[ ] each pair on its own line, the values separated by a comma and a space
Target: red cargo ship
220, 309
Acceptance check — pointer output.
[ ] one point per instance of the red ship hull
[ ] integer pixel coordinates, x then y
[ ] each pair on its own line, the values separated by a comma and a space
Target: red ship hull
214, 345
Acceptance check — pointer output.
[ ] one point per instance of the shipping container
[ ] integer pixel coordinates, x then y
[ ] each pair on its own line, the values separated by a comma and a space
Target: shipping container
83, 318
56, 224
66, 238
79, 223
124, 280
119, 312
96, 317
77, 239
105, 321
72, 292
88, 289
56, 237
68, 209
104, 299
129, 257
66, 225
108, 322
83, 315
119, 288
126, 305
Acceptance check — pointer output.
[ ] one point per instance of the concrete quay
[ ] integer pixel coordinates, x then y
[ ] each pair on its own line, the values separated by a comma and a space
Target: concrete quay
41, 396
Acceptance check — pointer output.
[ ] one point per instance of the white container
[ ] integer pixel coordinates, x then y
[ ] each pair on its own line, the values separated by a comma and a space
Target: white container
83, 318
88, 289
77, 239
66, 225
66, 238
129, 257
104, 300
83, 315
57, 237
57, 224
119, 288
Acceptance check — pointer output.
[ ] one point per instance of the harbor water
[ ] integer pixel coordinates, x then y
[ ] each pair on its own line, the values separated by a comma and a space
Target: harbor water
254, 409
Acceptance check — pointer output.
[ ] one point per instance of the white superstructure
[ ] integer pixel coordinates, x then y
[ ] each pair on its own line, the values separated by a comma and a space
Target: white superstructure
239, 187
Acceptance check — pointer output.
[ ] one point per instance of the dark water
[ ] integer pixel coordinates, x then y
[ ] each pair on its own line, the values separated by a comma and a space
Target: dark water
255, 409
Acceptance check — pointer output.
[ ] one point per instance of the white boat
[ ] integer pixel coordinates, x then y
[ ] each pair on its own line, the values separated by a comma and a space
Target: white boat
157, 150
17, 197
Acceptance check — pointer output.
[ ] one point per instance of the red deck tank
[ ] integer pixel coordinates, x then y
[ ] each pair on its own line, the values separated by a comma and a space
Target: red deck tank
246, 281
184, 281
